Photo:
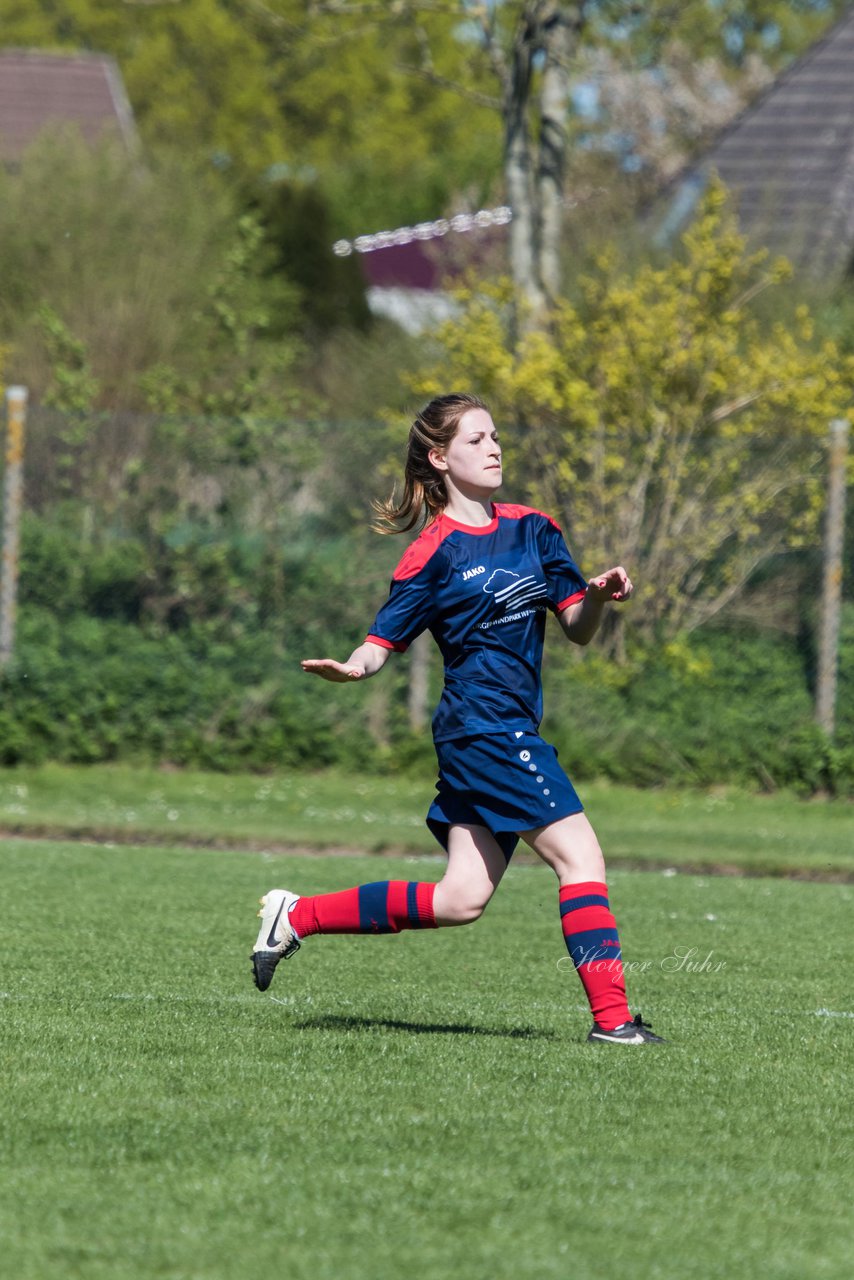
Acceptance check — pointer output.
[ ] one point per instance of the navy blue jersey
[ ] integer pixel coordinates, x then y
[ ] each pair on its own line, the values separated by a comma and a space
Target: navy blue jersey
483, 594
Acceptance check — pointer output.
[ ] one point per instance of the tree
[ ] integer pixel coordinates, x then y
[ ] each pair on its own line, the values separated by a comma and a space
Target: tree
534, 51
298, 233
528, 49
535, 184
662, 420
389, 104
254, 86
400, 108
198, 79
111, 272
238, 374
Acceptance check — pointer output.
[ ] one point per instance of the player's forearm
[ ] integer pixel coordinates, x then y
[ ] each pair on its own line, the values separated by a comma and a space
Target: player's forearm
370, 657
581, 621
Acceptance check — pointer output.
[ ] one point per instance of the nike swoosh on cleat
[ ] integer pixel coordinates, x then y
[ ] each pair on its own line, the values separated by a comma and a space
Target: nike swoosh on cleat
272, 942
620, 1039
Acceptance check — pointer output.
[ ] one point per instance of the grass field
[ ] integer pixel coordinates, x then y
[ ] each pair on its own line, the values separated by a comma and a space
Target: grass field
422, 1105
762, 834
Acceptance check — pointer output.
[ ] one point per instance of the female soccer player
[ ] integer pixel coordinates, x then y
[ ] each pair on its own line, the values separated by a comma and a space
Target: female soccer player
480, 576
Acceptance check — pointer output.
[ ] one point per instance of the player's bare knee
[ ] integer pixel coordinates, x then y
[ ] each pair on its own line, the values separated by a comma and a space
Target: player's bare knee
583, 862
454, 909
471, 911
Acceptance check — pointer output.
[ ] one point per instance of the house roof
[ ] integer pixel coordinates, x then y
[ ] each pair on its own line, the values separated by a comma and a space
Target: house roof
789, 160
39, 90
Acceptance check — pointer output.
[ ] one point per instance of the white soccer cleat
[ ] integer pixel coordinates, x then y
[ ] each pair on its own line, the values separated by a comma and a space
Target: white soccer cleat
276, 938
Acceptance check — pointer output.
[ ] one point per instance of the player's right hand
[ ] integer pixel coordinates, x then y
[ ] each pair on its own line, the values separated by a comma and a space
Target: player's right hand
329, 669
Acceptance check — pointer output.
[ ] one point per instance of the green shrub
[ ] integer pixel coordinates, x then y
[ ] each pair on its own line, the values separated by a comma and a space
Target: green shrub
186, 648
733, 706
50, 573
89, 689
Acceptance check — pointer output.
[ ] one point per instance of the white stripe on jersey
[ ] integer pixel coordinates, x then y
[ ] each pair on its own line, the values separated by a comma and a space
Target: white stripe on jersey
535, 593
514, 586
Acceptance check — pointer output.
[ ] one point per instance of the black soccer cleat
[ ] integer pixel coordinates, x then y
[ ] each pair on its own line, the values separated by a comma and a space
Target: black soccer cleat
636, 1032
264, 966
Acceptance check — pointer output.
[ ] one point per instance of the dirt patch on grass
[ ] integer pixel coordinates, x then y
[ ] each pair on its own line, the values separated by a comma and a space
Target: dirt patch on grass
108, 836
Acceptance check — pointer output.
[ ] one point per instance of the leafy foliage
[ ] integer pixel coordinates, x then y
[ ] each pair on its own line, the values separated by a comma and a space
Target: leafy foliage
114, 273
259, 87
197, 78
729, 704
667, 424
387, 106
298, 234
243, 373
74, 387
186, 649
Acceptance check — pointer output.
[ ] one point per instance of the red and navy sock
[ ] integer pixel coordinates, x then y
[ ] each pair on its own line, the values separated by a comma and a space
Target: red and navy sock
590, 934
384, 907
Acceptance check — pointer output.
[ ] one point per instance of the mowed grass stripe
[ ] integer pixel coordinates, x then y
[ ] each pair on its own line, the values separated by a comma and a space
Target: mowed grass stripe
758, 834
424, 1103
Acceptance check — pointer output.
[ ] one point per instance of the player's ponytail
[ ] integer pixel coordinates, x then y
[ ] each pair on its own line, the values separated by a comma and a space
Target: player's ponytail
424, 493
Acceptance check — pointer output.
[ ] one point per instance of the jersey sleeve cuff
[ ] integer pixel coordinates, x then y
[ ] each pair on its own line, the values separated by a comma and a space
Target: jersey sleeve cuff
397, 645
573, 599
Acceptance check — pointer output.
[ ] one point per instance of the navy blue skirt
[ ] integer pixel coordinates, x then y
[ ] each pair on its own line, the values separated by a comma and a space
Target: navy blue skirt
506, 782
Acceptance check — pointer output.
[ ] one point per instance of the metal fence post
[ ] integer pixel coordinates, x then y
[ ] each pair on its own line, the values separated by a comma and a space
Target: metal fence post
16, 414
831, 596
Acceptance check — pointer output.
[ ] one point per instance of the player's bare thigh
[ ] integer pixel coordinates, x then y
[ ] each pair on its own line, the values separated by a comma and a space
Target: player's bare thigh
475, 867
570, 847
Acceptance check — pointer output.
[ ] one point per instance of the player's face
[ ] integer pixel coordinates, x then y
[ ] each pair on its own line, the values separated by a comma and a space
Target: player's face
473, 458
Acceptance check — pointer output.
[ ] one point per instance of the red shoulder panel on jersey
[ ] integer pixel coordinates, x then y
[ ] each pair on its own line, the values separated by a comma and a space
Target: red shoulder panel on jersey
421, 550
512, 511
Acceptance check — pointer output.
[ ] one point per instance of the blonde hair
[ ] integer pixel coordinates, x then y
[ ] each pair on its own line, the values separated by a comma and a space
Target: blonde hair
424, 493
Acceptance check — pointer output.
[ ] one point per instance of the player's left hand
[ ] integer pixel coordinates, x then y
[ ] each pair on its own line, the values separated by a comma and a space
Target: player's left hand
615, 584
329, 669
